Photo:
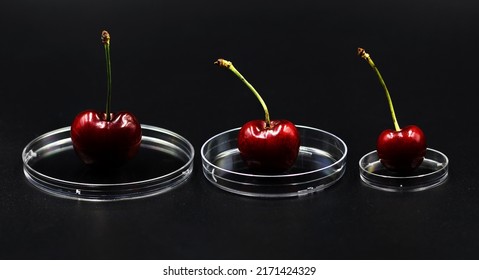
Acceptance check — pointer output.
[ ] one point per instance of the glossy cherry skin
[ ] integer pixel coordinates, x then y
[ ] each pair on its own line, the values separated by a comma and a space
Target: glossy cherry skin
402, 151
101, 142
271, 149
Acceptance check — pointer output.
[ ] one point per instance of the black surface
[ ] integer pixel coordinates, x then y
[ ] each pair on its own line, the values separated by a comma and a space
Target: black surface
301, 56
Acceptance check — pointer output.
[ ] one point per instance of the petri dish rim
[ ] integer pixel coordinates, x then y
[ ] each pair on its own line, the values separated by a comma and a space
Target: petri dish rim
425, 181
51, 184
342, 159
295, 184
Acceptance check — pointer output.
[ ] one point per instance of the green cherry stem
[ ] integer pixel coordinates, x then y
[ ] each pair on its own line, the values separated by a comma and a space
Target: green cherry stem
227, 64
105, 39
362, 53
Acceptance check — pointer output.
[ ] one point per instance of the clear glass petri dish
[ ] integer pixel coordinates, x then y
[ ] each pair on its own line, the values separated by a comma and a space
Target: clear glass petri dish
164, 161
321, 162
432, 172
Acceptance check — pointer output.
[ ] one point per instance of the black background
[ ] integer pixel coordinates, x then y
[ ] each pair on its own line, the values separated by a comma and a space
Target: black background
301, 56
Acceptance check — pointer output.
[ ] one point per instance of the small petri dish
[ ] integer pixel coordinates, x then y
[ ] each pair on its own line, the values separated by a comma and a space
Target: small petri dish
164, 161
321, 162
432, 172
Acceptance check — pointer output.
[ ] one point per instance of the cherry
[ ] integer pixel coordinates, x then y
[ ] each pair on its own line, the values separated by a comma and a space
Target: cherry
402, 150
267, 146
108, 142
399, 150
105, 138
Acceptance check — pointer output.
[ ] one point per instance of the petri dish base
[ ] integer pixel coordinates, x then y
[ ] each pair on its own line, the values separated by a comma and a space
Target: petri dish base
321, 163
432, 172
164, 161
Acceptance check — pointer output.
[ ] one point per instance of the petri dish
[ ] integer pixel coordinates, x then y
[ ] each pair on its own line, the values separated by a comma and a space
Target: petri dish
164, 161
432, 172
321, 162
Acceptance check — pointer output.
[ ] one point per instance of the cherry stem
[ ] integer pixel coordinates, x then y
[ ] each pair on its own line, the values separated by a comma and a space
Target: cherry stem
227, 64
105, 39
367, 57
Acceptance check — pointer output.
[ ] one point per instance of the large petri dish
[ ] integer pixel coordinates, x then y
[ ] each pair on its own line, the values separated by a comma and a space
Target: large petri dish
164, 161
432, 172
321, 162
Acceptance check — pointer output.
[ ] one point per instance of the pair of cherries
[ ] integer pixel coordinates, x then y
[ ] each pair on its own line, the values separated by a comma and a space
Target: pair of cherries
108, 139
272, 146
266, 146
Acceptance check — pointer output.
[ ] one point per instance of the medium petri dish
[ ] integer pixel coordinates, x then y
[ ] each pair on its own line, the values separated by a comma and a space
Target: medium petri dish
164, 161
321, 162
432, 172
